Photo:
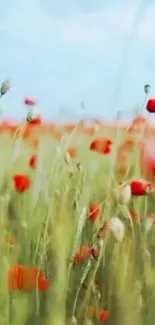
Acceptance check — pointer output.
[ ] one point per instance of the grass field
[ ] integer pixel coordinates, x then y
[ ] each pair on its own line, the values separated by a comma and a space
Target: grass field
76, 246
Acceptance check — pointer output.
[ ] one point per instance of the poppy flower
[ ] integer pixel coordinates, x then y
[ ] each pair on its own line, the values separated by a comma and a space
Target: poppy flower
151, 106
102, 146
78, 258
43, 284
21, 182
36, 120
129, 143
148, 157
29, 101
11, 241
95, 253
72, 152
33, 161
141, 187
24, 278
94, 212
104, 315
139, 121
85, 251
81, 255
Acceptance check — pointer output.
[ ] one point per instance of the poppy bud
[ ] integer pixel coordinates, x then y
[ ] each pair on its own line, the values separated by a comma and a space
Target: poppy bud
148, 223
147, 89
126, 194
74, 321
117, 228
30, 116
5, 87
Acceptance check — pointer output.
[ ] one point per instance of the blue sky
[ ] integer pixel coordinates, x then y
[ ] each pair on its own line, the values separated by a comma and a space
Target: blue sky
64, 52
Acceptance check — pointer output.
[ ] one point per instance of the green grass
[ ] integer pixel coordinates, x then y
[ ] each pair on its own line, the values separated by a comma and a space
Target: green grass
45, 224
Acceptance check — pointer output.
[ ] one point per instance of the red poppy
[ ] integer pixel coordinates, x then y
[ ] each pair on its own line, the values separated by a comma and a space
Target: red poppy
94, 212
102, 146
43, 284
72, 152
33, 161
78, 258
151, 106
29, 101
81, 256
104, 315
11, 241
85, 251
95, 253
24, 278
141, 187
36, 120
148, 157
21, 182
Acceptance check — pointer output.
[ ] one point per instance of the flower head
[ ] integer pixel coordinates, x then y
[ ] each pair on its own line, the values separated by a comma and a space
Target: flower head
30, 101
21, 182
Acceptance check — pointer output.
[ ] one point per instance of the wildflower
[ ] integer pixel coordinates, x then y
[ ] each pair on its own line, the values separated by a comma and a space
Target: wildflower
151, 106
29, 101
24, 278
94, 253
80, 256
102, 146
21, 182
77, 259
36, 120
94, 212
72, 152
148, 157
104, 315
141, 187
85, 251
33, 161
11, 241
117, 229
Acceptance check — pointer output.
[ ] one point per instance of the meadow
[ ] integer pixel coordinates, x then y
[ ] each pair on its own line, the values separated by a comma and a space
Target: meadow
77, 220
